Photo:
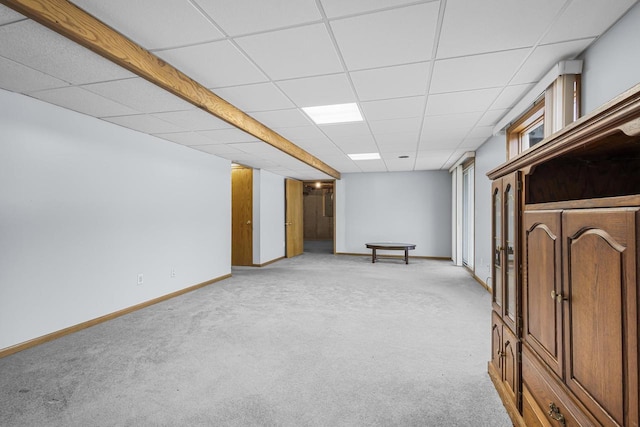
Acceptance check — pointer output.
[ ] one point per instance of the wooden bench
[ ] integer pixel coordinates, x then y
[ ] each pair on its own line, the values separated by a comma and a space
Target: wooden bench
390, 246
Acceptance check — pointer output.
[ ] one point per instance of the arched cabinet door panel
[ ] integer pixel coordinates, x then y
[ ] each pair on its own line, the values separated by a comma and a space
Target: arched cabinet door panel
600, 311
542, 281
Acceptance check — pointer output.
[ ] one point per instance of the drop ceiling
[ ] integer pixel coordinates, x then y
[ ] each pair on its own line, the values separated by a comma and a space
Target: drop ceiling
431, 78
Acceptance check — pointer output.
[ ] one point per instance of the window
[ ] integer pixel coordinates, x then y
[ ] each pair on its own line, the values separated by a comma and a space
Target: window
527, 131
558, 106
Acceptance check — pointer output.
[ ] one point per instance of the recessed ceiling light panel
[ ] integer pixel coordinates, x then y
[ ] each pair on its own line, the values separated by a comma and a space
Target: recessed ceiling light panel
338, 113
364, 156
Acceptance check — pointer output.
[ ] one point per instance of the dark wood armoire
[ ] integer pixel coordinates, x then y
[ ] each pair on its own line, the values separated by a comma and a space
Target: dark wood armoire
566, 227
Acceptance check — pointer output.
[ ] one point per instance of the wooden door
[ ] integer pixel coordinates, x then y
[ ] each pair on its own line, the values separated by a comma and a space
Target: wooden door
241, 216
600, 306
294, 227
542, 282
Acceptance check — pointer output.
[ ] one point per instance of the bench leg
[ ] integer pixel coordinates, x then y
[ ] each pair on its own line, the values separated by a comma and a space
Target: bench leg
406, 256
373, 255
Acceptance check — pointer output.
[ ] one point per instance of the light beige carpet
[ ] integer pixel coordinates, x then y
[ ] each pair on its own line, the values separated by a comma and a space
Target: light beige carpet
317, 340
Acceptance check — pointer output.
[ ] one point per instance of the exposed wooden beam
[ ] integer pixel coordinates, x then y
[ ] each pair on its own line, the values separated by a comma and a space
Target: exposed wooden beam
72, 22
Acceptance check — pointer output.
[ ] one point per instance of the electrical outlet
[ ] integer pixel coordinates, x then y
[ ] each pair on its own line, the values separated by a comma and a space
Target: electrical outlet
173, 272
140, 278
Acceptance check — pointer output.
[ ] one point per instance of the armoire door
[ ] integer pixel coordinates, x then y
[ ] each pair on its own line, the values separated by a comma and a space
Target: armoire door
601, 312
542, 283
506, 260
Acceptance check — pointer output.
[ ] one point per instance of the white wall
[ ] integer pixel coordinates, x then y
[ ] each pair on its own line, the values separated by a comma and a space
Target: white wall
268, 215
86, 205
491, 154
612, 64
413, 207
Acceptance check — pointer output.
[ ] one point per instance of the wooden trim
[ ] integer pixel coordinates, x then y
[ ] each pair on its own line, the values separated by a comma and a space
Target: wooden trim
507, 401
480, 281
72, 22
84, 325
618, 115
269, 262
605, 202
529, 119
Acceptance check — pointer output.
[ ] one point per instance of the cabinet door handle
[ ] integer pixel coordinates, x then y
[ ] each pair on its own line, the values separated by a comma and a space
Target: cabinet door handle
554, 412
558, 296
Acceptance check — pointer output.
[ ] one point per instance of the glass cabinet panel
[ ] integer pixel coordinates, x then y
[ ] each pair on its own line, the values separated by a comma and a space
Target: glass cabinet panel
497, 245
510, 247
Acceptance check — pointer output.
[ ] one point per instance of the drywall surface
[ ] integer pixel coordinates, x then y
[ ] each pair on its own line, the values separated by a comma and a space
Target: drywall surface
87, 206
412, 207
611, 64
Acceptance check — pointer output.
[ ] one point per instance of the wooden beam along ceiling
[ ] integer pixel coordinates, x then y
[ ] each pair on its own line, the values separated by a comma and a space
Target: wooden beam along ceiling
72, 22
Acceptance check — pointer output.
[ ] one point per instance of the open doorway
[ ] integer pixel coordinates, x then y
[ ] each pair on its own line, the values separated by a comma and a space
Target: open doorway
319, 211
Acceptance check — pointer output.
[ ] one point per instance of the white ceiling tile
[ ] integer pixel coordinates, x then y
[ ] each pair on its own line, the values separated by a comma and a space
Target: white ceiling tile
8, 15
322, 149
461, 102
444, 143
238, 17
335, 8
455, 156
144, 123
346, 130
37, 47
372, 165
545, 57
405, 148
400, 165
282, 118
450, 121
391, 142
586, 18
357, 145
255, 97
476, 72
510, 95
391, 82
432, 160
154, 24
442, 139
300, 132
194, 120
343, 164
473, 143
80, 100
492, 117
397, 36
227, 136
296, 52
185, 138
411, 124
394, 108
223, 150
140, 95
214, 64
472, 27
19, 78
480, 132
321, 90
